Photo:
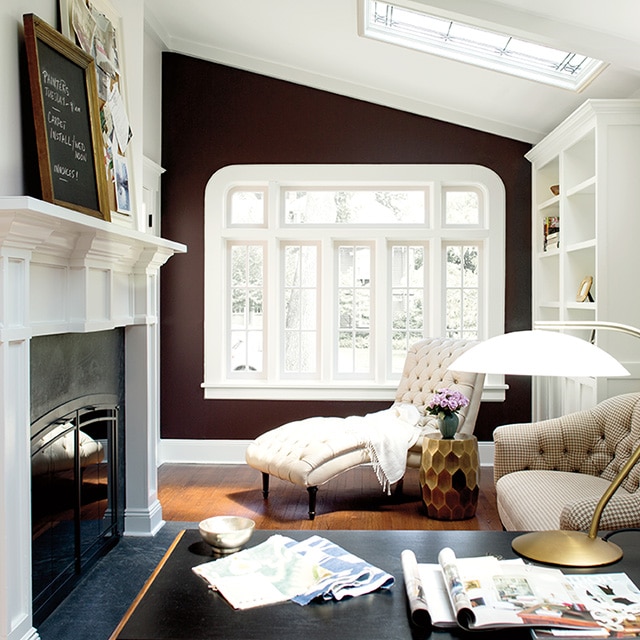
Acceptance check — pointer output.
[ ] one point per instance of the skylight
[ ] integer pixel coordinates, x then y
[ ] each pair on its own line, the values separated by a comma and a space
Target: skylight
492, 50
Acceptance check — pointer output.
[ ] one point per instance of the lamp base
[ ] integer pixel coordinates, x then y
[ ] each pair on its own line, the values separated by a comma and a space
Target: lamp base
566, 548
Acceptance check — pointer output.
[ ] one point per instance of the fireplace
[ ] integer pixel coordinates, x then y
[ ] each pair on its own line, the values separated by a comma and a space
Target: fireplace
72, 277
77, 458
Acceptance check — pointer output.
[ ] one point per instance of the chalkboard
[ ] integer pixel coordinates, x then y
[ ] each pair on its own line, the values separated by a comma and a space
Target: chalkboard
67, 121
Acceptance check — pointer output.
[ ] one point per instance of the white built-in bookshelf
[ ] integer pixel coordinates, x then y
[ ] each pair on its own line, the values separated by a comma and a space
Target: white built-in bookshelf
594, 159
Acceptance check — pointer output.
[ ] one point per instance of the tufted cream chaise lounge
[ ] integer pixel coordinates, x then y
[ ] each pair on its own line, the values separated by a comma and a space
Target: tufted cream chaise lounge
291, 454
551, 474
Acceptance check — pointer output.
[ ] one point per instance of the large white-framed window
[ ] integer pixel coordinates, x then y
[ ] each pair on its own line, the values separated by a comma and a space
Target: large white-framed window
319, 277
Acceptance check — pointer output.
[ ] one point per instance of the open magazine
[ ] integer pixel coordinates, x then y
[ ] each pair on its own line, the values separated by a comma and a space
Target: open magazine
486, 593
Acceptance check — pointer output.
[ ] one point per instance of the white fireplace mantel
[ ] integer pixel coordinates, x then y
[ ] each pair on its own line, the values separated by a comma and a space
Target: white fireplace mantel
66, 272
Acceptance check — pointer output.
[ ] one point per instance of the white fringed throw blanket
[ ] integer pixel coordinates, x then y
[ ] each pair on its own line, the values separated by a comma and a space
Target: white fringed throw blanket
389, 434
386, 436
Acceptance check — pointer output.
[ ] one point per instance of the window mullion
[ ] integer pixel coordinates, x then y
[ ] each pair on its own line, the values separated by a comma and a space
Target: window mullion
437, 288
273, 284
381, 325
328, 310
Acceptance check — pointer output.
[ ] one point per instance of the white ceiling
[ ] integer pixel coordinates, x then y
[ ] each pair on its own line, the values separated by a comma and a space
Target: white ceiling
316, 43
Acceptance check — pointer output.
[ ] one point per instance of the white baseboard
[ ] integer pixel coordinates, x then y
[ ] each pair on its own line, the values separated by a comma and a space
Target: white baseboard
232, 451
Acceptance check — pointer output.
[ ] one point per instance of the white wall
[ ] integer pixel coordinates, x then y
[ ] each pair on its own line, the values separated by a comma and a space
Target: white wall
152, 98
11, 56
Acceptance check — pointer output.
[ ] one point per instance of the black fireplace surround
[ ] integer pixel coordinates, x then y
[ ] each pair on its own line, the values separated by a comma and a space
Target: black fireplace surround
77, 458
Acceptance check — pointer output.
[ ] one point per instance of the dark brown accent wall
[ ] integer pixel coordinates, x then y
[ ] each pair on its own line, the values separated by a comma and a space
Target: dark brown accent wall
214, 116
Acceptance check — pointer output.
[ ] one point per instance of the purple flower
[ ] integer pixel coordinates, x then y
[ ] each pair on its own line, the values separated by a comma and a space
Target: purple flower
447, 401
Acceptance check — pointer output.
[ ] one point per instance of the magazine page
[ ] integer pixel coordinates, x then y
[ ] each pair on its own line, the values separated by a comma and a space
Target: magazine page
505, 594
429, 583
427, 596
612, 599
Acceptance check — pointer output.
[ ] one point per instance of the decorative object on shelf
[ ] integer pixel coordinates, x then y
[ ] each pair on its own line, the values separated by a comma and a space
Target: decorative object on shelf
96, 27
449, 476
445, 404
551, 231
66, 115
555, 189
584, 290
525, 353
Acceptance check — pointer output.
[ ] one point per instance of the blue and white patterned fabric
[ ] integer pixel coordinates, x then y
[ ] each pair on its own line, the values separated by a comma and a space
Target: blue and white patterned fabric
348, 574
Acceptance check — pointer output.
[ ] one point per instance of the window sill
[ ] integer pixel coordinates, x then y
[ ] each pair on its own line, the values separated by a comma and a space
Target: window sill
314, 391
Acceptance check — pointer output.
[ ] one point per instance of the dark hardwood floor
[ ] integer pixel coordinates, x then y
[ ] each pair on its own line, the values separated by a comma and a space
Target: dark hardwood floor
353, 500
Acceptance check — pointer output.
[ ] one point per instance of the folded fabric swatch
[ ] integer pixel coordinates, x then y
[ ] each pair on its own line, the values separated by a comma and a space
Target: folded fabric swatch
265, 574
346, 574
281, 569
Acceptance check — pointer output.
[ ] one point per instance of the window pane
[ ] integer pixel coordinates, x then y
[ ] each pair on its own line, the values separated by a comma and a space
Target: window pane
300, 308
292, 309
454, 267
354, 309
246, 304
308, 309
461, 296
355, 207
408, 292
462, 207
247, 207
345, 303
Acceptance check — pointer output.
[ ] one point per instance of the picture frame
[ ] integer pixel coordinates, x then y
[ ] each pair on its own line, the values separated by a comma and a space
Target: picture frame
98, 31
584, 290
66, 119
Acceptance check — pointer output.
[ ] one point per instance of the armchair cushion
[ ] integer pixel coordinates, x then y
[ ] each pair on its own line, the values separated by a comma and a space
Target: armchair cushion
551, 474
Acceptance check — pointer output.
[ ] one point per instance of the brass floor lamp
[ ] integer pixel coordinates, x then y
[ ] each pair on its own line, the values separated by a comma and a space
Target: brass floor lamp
527, 353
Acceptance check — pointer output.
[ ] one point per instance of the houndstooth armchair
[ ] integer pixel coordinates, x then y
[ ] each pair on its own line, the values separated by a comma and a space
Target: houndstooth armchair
551, 474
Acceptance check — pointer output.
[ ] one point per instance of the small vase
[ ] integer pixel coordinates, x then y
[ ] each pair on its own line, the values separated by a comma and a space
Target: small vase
448, 424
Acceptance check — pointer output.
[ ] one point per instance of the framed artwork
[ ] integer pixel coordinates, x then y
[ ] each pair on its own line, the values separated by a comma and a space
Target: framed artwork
67, 121
95, 26
584, 290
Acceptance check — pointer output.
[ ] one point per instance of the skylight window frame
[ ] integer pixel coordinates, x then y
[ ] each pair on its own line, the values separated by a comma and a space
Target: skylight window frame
470, 52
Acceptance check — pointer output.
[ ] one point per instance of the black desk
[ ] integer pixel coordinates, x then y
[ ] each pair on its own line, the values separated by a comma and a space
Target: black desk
176, 604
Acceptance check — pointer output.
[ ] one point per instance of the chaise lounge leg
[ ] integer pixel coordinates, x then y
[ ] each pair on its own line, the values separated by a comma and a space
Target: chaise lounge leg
265, 485
312, 501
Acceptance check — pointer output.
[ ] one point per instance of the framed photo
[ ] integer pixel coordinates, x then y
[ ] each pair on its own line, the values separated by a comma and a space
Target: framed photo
123, 196
96, 27
584, 290
67, 121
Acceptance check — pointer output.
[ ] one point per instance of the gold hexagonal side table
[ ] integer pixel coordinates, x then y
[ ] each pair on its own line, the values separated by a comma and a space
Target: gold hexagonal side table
449, 476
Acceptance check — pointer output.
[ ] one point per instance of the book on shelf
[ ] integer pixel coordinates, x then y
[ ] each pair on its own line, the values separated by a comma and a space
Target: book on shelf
551, 232
484, 593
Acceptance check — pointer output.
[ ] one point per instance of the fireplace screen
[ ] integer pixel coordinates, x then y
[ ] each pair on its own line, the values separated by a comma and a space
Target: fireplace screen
74, 471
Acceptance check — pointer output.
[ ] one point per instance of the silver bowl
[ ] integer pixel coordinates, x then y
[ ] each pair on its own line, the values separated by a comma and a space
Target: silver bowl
226, 534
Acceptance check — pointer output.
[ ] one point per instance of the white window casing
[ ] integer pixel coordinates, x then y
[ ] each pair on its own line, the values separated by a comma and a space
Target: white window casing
319, 375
